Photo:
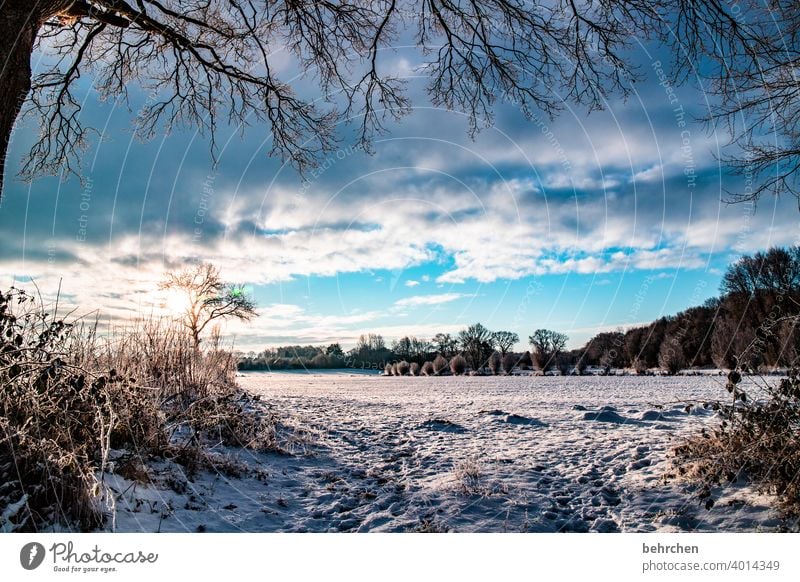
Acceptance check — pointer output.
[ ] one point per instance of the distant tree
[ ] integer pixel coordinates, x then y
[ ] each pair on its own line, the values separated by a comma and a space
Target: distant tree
789, 338
564, 362
476, 343
670, 355
642, 344
320, 361
420, 349
495, 363
208, 298
777, 270
581, 362
509, 361
639, 366
334, 351
606, 349
445, 344
370, 351
370, 342
458, 365
547, 345
439, 365
504, 341
525, 361
401, 348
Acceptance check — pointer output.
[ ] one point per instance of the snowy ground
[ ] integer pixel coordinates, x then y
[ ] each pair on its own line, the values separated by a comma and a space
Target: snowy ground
468, 454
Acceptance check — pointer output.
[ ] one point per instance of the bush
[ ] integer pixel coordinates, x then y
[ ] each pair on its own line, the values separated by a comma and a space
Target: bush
427, 369
414, 369
394, 370
458, 365
495, 363
403, 368
439, 365
68, 397
670, 355
320, 361
387, 370
756, 439
509, 361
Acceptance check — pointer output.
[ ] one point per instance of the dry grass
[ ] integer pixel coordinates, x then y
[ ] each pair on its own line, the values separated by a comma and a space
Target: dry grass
757, 440
70, 397
468, 475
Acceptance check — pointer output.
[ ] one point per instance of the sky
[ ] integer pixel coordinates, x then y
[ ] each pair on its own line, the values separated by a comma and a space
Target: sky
582, 223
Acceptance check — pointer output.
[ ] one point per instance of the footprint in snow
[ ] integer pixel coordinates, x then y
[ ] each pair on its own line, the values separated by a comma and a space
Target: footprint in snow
441, 425
522, 420
605, 415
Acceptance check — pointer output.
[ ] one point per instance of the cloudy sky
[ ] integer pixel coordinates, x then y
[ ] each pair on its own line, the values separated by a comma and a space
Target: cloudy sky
581, 223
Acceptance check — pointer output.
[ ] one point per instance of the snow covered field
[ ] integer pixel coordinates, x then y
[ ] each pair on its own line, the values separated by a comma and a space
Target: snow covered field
466, 454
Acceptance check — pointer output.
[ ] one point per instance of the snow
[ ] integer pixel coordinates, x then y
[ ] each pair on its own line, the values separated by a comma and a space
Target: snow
466, 454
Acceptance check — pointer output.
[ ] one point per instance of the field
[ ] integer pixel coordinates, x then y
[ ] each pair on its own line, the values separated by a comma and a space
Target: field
466, 454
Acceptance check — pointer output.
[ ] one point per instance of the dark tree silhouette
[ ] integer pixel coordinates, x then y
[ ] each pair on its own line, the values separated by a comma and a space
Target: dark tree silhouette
477, 344
445, 344
504, 341
206, 61
547, 345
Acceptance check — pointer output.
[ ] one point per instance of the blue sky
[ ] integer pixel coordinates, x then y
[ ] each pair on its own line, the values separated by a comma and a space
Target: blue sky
582, 223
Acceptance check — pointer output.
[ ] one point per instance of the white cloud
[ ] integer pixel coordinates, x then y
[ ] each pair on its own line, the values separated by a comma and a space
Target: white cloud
418, 300
411, 283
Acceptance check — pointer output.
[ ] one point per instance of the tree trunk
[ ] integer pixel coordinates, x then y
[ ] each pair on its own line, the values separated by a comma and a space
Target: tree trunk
18, 27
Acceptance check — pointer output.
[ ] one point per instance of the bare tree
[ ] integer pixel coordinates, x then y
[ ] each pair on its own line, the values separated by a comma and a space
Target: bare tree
547, 345
477, 344
445, 344
206, 61
504, 341
208, 298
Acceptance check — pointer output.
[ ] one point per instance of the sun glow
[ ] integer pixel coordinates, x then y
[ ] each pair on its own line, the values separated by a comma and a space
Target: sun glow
176, 301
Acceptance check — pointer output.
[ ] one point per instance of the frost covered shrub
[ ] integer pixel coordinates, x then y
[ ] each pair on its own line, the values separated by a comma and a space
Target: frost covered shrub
439, 365
394, 370
670, 356
56, 418
67, 397
495, 363
320, 361
458, 365
757, 440
387, 370
427, 369
403, 368
414, 369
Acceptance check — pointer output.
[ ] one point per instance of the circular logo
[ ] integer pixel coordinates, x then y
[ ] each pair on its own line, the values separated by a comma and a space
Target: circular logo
31, 555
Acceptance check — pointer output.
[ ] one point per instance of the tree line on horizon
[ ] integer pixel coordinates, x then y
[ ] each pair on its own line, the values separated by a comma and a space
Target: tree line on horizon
752, 325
